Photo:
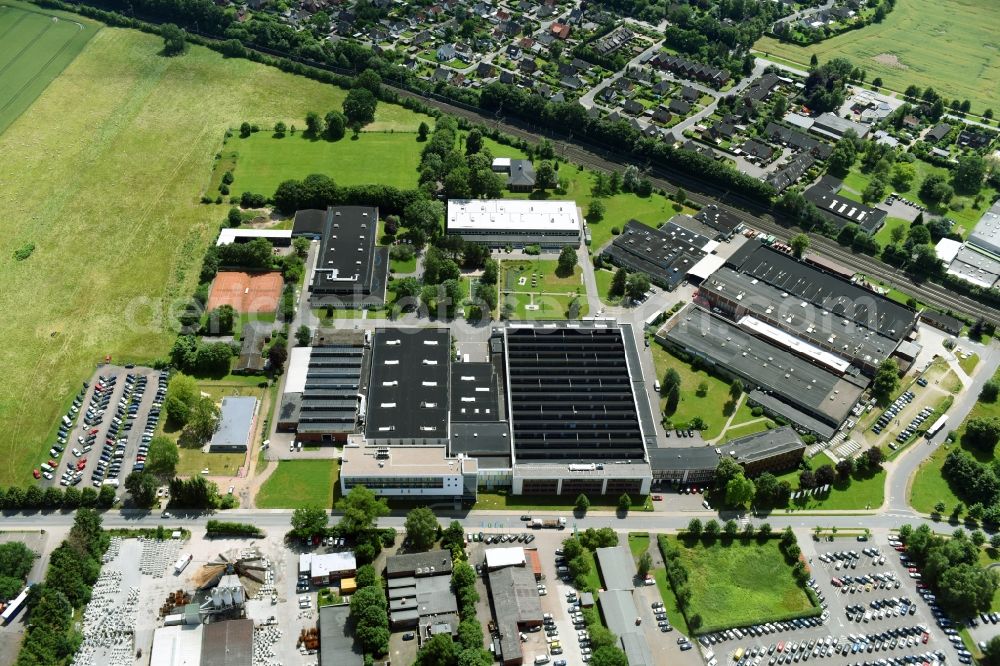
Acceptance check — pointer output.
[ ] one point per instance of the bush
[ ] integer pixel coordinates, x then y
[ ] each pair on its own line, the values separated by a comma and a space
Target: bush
221, 528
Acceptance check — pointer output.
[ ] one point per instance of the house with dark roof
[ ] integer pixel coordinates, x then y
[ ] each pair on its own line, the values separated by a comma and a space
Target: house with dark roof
754, 148
633, 107
783, 177
938, 132
662, 115
251, 360
662, 87
571, 82
507, 77
520, 173
528, 65
679, 106
975, 140
792, 138
761, 88
721, 130
690, 94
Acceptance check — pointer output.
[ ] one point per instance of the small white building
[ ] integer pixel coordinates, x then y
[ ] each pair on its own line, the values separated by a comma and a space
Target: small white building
498, 558
502, 222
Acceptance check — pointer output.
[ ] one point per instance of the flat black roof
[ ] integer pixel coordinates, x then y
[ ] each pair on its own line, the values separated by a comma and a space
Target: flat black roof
571, 393
309, 222
825, 290
329, 403
480, 438
408, 396
474, 392
840, 210
680, 459
349, 263
665, 254
943, 321
721, 220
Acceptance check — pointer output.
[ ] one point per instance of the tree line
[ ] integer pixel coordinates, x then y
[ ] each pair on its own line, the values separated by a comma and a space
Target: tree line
74, 566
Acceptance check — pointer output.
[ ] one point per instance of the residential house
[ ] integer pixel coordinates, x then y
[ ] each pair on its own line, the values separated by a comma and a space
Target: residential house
713, 76
607, 94
421, 38
939, 132
680, 107
520, 173
545, 38
633, 107
507, 77
690, 94
528, 65
581, 65
758, 150
558, 97
662, 115
760, 89
486, 70
566, 69
720, 130
441, 75
661, 88
787, 136
559, 30
910, 121
784, 177
445, 52
514, 52
571, 82
974, 140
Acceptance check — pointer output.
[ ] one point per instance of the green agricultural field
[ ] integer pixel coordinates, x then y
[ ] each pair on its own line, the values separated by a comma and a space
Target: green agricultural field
115, 219
298, 483
738, 584
35, 46
950, 45
261, 162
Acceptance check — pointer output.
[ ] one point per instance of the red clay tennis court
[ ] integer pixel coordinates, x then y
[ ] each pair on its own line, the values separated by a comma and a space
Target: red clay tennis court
246, 292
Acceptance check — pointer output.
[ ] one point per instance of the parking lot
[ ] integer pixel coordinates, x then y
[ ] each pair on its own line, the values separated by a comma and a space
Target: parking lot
864, 618
117, 413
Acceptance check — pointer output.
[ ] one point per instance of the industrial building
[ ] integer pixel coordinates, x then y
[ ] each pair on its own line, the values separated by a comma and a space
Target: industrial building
337, 646
664, 255
425, 600
726, 224
841, 211
844, 299
321, 395
410, 472
617, 568
351, 269
503, 222
328, 568
769, 312
986, 234
418, 565
236, 425
516, 606
577, 404
815, 396
977, 260
227, 643
409, 392
775, 450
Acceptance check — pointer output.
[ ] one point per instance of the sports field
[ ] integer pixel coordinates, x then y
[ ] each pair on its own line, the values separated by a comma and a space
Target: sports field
113, 213
950, 45
246, 292
262, 162
35, 46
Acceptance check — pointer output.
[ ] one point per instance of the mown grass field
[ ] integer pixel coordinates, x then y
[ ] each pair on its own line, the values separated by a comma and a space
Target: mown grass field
261, 161
35, 46
113, 213
298, 483
736, 584
950, 45
862, 491
708, 406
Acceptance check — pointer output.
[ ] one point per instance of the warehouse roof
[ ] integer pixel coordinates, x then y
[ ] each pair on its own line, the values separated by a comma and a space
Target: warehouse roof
829, 292
349, 262
840, 210
986, 234
227, 643
807, 321
764, 445
309, 222
408, 396
400, 461
336, 641
235, 422
419, 564
776, 405
497, 558
329, 402
620, 612
526, 215
975, 266
665, 255
571, 397
515, 594
683, 458
323, 564
177, 645
473, 392
721, 220
478, 439
825, 394
617, 567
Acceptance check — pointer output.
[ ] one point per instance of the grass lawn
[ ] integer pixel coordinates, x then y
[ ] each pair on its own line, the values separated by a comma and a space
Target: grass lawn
298, 483
638, 543
674, 614
528, 307
135, 134
403, 267
36, 45
708, 407
861, 492
927, 487
193, 461
592, 577
969, 364
884, 235
603, 278
738, 584
540, 277
742, 430
965, 218
922, 42
262, 161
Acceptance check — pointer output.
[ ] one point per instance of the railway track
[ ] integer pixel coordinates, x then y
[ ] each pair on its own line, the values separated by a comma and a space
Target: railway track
596, 158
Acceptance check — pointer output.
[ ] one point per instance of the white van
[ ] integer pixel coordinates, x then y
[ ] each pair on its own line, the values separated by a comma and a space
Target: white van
542, 659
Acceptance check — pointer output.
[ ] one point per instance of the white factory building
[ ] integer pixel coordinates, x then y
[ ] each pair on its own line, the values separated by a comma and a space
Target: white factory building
518, 223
